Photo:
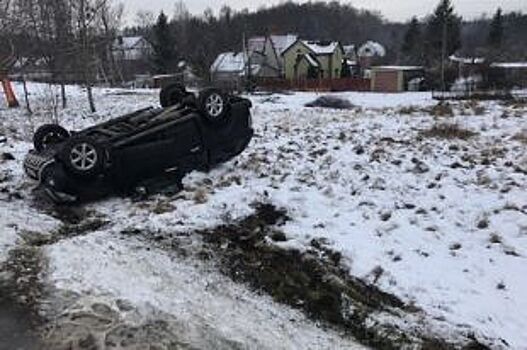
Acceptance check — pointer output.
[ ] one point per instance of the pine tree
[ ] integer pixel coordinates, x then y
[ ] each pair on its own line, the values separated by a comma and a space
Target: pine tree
495, 38
443, 24
411, 48
164, 57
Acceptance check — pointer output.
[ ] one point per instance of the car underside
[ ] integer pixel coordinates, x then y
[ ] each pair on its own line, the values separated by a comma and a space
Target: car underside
162, 143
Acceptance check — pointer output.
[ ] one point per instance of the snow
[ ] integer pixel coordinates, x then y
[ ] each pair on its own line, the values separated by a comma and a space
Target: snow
450, 239
405, 68
229, 62
321, 48
127, 42
283, 42
212, 308
467, 60
510, 65
16, 216
371, 48
311, 60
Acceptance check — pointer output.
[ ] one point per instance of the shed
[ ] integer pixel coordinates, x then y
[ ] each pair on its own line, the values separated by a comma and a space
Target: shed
509, 74
394, 78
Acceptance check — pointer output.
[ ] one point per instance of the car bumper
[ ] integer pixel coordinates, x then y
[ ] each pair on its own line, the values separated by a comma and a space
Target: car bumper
50, 177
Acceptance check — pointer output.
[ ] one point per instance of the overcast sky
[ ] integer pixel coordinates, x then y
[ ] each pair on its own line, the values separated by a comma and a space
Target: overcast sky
398, 10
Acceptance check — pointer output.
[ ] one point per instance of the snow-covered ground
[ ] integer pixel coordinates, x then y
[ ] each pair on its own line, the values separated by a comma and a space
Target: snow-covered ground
440, 223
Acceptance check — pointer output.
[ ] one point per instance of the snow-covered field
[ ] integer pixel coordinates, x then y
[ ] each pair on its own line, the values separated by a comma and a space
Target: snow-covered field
440, 223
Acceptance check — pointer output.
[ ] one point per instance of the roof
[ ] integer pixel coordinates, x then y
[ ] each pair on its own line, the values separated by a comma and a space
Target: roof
510, 65
283, 42
280, 42
256, 44
229, 62
372, 48
312, 60
321, 47
400, 68
349, 50
467, 60
127, 42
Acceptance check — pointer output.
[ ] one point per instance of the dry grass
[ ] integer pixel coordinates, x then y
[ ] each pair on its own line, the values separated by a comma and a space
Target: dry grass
442, 109
409, 110
521, 137
201, 196
447, 131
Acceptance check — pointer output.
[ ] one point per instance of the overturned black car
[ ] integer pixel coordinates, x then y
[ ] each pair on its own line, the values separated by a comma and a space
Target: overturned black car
189, 132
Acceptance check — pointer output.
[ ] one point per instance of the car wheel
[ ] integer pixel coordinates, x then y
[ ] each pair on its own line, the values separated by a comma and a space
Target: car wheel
84, 157
172, 95
214, 105
49, 134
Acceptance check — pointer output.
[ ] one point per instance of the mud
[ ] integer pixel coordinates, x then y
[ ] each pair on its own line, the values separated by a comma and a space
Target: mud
315, 281
20, 292
16, 328
90, 324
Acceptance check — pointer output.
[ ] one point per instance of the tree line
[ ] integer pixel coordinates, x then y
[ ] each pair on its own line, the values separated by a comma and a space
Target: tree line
425, 41
71, 38
74, 37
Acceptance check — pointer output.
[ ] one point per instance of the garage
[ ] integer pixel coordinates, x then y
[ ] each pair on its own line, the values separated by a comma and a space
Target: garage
394, 78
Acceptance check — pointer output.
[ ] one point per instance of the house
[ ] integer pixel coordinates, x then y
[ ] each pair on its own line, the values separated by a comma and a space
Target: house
313, 60
266, 51
396, 78
230, 69
508, 74
369, 52
228, 66
131, 48
130, 57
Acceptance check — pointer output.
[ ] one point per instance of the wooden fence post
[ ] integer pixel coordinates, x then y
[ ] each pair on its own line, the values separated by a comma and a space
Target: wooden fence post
9, 93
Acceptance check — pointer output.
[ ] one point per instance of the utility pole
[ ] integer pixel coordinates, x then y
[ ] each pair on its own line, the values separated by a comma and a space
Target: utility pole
443, 52
87, 65
247, 58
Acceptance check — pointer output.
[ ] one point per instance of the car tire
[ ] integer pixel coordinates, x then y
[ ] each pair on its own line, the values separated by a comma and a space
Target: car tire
214, 105
172, 95
49, 134
84, 157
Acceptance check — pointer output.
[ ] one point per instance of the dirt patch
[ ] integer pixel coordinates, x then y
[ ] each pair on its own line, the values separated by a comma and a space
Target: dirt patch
20, 294
76, 221
16, 328
447, 131
315, 281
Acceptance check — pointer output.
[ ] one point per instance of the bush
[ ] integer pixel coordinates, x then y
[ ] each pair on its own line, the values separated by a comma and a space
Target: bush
447, 131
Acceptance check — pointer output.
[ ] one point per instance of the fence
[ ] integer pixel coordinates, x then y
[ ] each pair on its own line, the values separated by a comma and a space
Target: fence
343, 84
